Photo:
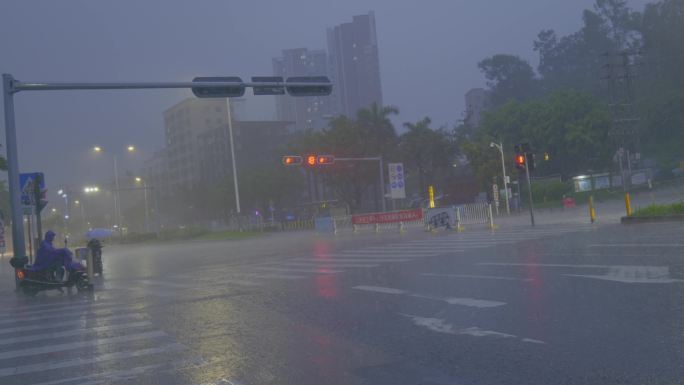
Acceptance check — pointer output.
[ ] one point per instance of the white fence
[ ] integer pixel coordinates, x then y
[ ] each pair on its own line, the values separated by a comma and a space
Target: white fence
475, 213
469, 214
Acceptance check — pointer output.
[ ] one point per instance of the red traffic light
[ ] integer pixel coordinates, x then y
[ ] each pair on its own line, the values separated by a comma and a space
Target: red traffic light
520, 161
325, 160
292, 160
311, 160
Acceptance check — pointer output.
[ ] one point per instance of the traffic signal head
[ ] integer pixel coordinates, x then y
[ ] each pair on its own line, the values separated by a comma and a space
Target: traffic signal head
325, 160
311, 160
292, 160
321, 86
234, 87
520, 161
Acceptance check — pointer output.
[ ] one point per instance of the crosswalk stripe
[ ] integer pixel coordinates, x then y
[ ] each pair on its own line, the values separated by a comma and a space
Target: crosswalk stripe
358, 259
475, 277
127, 374
275, 276
25, 305
365, 251
165, 284
44, 366
361, 254
328, 264
74, 332
68, 315
297, 270
78, 322
81, 344
66, 309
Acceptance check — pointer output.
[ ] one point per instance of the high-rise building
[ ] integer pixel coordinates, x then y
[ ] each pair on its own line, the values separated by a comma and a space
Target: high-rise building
477, 101
183, 123
354, 66
305, 112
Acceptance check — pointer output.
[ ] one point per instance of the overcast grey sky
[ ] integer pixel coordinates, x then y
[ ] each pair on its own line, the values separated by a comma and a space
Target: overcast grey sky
428, 55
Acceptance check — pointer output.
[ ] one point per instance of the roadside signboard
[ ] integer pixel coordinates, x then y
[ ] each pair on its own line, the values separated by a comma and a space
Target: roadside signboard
27, 184
392, 217
441, 217
396, 180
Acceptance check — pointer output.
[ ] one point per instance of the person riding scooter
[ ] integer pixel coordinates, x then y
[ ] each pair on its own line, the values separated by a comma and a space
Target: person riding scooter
49, 258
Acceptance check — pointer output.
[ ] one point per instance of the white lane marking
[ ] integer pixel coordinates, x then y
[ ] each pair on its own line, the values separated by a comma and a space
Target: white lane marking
353, 260
379, 289
43, 366
441, 326
328, 264
470, 302
637, 245
81, 344
78, 322
75, 332
322, 270
476, 277
634, 274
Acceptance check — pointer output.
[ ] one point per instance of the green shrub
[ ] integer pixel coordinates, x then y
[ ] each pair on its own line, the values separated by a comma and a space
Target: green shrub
660, 210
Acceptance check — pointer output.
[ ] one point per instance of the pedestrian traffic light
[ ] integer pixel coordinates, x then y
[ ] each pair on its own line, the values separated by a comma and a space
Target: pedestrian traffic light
325, 160
520, 161
311, 160
292, 160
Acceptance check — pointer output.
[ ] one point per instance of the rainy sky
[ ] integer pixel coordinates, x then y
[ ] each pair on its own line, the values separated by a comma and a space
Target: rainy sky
428, 56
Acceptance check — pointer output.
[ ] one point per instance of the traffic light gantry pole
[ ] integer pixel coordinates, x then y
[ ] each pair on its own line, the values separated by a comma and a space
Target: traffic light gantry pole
218, 87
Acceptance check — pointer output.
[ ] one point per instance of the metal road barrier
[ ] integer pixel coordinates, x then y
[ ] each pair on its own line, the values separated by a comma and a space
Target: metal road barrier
475, 214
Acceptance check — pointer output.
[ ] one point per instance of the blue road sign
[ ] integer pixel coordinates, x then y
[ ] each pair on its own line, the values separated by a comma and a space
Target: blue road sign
26, 184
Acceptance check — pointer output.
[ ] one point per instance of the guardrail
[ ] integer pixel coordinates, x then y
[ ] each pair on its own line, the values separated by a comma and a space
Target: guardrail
428, 219
475, 213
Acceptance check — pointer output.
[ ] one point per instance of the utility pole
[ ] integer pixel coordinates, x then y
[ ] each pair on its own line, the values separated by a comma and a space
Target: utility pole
529, 187
620, 76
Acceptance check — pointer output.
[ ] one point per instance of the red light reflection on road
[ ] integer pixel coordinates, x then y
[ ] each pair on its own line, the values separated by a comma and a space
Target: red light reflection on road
535, 295
326, 285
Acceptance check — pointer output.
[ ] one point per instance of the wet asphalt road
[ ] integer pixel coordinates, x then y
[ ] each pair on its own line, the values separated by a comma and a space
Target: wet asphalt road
561, 304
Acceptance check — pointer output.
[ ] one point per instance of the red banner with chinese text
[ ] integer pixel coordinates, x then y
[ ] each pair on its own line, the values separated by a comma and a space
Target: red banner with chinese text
393, 217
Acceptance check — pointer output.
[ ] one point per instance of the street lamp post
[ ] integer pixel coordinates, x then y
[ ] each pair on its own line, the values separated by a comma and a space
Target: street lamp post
117, 195
232, 156
147, 212
503, 168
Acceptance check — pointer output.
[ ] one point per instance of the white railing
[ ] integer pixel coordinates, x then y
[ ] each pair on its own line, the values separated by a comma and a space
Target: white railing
474, 213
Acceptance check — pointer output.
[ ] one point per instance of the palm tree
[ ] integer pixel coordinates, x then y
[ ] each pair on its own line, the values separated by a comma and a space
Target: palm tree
381, 136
